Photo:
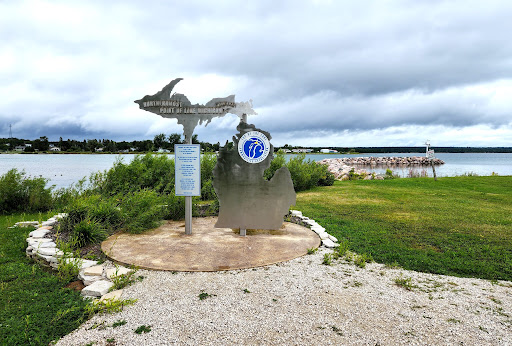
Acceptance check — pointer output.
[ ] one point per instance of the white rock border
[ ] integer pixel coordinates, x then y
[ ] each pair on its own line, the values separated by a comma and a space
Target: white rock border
328, 241
96, 277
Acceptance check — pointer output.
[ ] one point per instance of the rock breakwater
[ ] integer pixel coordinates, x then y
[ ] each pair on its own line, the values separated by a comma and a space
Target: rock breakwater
344, 168
384, 161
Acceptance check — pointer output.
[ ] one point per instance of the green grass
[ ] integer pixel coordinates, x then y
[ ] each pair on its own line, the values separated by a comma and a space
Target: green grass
456, 226
34, 307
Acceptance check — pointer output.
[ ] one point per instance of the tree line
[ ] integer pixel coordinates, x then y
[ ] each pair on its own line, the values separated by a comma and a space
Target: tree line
165, 142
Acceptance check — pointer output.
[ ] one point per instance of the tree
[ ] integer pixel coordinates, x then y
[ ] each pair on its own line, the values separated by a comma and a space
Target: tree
159, 141
174, 138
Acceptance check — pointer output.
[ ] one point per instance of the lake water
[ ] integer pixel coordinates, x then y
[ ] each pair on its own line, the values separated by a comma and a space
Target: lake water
65, 169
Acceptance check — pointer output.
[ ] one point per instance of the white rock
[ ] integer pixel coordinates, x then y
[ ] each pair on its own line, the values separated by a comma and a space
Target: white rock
49, 223
114, 295
29, 248
46, 251
296, 213
96, 270
38, 240
27, 224
112, 272
39, 233
46, 258
317, 229
40, 245
88, 263
328, 243
88, 280
97, 289
333, 238
324, 235
53, 259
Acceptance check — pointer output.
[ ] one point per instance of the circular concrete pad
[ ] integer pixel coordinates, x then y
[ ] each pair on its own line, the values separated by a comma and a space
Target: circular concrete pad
208, 248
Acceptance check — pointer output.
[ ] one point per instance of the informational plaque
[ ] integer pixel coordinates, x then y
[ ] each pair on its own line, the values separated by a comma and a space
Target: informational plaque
430, 154
187, 169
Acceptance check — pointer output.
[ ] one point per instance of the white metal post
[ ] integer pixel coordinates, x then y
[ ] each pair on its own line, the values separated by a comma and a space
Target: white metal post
243, 231
188, 204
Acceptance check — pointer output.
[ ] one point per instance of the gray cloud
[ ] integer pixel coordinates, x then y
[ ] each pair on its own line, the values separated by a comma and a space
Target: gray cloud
313, 68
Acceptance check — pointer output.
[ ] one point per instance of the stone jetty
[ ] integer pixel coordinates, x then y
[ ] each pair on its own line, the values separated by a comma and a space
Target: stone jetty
342, 167
384, 161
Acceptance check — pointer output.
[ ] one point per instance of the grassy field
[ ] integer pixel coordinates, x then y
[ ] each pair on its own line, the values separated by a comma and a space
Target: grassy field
34, 306
456, 226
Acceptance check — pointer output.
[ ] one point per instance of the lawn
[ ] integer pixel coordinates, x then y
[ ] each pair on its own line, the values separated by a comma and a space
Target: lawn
34, 306
456, 226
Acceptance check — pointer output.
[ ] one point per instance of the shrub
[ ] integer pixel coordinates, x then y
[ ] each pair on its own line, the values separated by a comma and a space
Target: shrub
148, 171
142, 210
278, 162
305, 174
88, 231
328, 179
19, 193
389, 174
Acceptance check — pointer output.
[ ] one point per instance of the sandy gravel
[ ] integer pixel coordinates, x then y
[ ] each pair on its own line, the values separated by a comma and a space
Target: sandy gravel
302, 302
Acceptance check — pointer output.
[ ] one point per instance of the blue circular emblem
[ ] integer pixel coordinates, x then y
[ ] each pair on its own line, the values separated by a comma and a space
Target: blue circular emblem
253, 147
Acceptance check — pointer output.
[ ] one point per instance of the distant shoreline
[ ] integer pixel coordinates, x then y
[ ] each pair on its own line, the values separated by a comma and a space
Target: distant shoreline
341, 151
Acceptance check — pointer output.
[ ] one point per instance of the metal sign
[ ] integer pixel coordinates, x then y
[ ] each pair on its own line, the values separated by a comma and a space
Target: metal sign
253, 147
430, 154
187, 169
178, 106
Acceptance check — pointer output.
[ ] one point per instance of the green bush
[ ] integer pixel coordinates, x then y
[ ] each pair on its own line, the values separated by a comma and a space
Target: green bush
19, 193
208, 162
305, 173
142, 210
155, 172
175, 206
328, 179
88, 231
278, 162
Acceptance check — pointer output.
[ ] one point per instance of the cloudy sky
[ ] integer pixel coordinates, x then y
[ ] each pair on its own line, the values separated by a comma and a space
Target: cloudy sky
320, 73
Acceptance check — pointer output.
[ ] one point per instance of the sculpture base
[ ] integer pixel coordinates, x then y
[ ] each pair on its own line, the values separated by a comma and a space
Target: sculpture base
208, 248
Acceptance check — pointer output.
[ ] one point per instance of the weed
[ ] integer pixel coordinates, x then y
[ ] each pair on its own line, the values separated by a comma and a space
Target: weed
327, 259
337, 330
405, 283
274, 299
204, 295
312, 250
111, 341
453, 320
497, 301
108, 306
361, 260
124, 280
69, 266
143, 329
341, 250
483, 329
119, 323
393, 265
246, 290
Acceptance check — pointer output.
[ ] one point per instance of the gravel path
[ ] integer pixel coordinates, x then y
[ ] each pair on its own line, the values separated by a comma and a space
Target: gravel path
302, 302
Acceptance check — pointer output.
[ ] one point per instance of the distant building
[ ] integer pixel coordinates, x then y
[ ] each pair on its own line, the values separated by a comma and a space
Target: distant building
99, 150
54, 148
302, 150
328, 151
19, 148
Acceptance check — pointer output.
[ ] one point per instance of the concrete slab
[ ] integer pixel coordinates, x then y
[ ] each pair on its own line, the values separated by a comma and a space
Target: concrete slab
208, 248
